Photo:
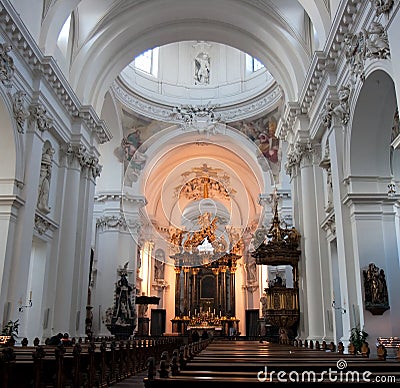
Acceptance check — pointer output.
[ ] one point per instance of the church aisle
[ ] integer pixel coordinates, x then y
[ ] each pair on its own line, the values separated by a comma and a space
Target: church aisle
133, 381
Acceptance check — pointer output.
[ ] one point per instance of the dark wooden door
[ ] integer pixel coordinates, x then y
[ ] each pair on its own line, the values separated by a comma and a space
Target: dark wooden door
252, 317
157, 323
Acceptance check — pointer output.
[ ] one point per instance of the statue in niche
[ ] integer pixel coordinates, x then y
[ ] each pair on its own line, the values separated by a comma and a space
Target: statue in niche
375, 289
202, 69
329, 189
44, 180
251, 269
159, 263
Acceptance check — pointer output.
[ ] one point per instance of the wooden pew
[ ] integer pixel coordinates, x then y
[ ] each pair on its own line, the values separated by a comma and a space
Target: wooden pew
94, 364
249, 362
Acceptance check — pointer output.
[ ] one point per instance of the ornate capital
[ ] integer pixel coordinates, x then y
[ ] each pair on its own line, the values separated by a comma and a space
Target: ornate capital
302, 155
39, 116
79, 153
310, 155
41, 224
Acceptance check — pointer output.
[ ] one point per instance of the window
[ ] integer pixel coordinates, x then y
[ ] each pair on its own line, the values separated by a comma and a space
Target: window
63, 38
253, 64
148, 62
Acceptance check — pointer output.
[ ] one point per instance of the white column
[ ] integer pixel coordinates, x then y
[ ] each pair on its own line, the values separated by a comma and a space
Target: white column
65, 303
83, 245
348, 288
312, 198
9, 206
18, 268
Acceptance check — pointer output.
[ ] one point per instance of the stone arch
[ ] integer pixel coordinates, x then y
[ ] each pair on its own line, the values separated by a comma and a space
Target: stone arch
109, 50
170, 161
369, 146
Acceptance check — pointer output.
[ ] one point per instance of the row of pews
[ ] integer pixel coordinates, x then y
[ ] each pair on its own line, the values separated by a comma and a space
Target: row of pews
99, 363
241, 362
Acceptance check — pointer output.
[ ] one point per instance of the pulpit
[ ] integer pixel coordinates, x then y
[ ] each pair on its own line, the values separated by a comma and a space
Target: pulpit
279, 246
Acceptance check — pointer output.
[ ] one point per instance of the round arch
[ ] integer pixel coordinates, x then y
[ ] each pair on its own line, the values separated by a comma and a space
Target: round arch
370, 138
111, 47
171, 161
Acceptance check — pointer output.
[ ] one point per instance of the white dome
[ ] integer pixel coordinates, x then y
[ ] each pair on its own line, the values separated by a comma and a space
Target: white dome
196, 73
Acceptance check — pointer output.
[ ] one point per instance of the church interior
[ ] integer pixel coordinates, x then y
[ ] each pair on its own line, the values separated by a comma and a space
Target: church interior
228, 169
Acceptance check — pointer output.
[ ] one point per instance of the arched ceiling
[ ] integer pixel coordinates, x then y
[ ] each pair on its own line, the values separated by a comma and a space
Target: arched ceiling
230, 163
109, 34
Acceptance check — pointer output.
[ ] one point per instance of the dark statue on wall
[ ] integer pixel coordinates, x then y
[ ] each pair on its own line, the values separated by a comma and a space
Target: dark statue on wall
121, 318
375, 288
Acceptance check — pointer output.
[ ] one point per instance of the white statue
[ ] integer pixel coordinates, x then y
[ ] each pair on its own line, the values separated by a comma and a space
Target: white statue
202, 69
44, 180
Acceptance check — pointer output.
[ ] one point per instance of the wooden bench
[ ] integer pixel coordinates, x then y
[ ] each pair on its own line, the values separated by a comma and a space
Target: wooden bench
82, 365
244, 363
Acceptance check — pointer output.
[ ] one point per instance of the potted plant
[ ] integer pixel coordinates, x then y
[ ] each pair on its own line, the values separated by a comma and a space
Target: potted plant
357, 338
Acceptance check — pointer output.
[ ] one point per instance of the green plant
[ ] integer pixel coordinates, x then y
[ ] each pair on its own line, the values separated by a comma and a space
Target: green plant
357, 337
11, 329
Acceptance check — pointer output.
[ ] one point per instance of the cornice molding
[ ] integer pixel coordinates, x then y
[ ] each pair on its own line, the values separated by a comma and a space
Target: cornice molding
351, 18
23, 44
263, 103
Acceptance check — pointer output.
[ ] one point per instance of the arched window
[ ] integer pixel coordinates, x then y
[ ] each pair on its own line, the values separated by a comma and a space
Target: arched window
63, 38
148, 62
253, 64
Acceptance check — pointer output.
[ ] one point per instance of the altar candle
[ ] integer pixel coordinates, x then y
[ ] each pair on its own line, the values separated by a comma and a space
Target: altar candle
214, 311
30, 295
189, 313
195, 312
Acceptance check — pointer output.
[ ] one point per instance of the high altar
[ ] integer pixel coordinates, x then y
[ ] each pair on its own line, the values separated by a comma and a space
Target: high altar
205, 280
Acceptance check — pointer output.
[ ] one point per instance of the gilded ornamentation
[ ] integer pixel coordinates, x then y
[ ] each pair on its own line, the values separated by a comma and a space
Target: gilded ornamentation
207, 182
280, 304
19, 110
